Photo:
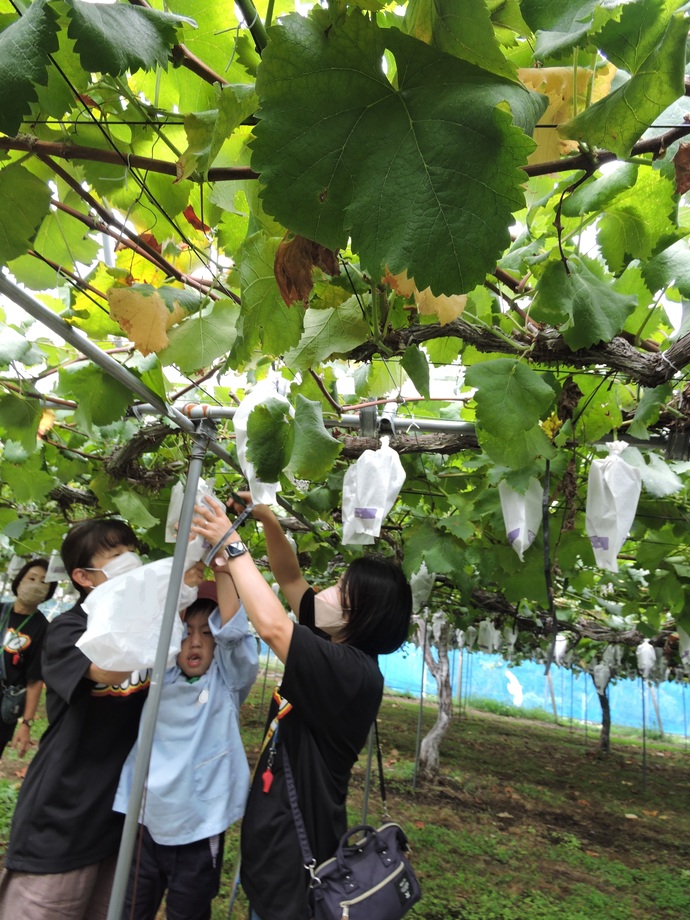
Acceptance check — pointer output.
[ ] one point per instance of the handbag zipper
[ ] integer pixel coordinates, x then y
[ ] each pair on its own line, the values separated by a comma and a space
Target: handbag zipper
362, 897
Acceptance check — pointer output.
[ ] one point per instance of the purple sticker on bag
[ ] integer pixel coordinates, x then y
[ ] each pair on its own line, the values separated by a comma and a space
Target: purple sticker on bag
599, 542
367, 514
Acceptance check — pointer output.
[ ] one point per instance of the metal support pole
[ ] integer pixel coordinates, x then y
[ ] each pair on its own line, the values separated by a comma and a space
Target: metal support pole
367, 776
150, 714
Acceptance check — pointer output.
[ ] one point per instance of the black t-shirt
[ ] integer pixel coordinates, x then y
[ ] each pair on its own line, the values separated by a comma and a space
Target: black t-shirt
64, 818
335, 691
22, 640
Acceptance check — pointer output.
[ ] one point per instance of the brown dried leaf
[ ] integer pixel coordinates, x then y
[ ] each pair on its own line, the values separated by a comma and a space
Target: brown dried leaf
681, 162
295, 259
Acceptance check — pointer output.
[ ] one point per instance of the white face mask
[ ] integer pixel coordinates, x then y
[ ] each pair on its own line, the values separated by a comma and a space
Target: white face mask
328, 611
120, 565
32, 593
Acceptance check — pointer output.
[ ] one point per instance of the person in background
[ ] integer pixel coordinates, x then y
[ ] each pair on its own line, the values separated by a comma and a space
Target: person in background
198, 776
321, 716
23, 628
64, 839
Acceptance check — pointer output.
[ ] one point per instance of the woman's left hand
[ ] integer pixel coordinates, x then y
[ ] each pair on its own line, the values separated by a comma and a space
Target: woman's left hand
211, 521
22, 739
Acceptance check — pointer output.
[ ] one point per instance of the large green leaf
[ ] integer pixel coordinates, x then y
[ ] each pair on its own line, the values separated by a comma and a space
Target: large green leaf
19, 420
199, 340
422, 176
27, 481
314, 448
25, 201
629, 41
463, 30
511, 398
25, 47
639, 221
116, 37
328, 332
265, 320
672, 266
269, 439
586, 309
100, 398
619, 119
208, 131
558, 24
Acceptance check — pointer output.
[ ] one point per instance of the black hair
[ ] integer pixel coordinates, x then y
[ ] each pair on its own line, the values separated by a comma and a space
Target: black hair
42, 564
378, 602
203, 605
86, 538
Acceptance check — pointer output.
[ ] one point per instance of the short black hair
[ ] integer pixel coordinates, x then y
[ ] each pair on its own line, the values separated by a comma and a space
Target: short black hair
378, 601
90, 536
42, 564
203, 605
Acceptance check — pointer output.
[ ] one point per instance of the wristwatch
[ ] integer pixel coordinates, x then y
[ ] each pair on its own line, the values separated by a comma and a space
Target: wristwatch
28, 722
232, 550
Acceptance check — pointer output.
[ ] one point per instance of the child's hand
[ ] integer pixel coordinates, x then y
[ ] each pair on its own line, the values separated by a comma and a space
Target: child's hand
194, 575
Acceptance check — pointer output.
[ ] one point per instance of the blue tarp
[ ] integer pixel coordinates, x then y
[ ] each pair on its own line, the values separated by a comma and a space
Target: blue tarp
525, 686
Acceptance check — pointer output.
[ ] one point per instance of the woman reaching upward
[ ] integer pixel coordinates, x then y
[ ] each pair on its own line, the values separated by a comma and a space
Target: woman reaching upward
329, 697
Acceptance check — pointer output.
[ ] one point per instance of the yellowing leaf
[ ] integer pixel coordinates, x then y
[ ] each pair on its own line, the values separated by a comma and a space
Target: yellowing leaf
557, 84
47, 421
144, 317
446, 306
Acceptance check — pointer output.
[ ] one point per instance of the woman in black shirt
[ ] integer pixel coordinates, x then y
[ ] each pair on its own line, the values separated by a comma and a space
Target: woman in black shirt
22, 630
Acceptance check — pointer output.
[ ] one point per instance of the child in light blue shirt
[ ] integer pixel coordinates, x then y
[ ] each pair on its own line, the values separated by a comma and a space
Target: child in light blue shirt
198, 777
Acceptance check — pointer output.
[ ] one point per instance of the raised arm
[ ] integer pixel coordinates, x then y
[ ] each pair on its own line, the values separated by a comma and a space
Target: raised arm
281, 557
263, 608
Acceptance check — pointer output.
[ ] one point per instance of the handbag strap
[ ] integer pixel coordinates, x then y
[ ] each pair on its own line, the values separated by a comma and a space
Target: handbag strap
379, 760
4, 623
307, 856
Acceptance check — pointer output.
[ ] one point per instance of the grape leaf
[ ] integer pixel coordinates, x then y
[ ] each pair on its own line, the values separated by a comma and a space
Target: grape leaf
422, 176
639, 221
207, 131
100, 398
465, 31
627, 42
27, 481
511, 398
415, 363
19, 420
113, 38
619, 119
586, 309
558, 26
328, 332
133, 508
199, 340
27, 199
25, 46
269, 439
314, 448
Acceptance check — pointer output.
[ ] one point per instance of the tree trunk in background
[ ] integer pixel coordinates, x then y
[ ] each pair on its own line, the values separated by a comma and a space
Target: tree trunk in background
605, 737
429, 755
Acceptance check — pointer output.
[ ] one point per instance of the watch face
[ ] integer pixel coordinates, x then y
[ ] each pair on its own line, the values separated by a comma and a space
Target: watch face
235, 549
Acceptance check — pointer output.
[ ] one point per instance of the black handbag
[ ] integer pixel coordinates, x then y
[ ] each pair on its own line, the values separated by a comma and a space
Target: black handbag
368, 879
12, 704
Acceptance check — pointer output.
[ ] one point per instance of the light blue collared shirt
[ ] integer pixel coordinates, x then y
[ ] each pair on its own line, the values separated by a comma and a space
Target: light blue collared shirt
199, 776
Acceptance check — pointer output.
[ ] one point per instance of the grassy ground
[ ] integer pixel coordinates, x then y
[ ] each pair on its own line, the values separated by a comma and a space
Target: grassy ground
526, 820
